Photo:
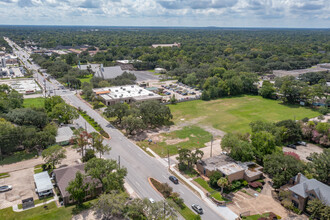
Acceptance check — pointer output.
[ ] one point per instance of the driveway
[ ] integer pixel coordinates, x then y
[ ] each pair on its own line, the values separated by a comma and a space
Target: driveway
22, 181
304, 151
23, 187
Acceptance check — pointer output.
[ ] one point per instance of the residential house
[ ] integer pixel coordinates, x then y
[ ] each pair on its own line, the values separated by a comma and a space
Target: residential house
63, 176
305, 189
64, 135
230, 168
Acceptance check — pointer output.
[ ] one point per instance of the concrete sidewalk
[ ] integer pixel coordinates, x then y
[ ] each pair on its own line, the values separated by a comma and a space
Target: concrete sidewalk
16, 209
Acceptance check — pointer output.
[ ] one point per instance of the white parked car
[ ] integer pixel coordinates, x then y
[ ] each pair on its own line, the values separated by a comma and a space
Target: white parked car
151, 200
5, 188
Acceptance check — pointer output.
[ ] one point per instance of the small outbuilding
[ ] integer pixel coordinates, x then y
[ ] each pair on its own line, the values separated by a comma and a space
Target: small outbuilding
43, 183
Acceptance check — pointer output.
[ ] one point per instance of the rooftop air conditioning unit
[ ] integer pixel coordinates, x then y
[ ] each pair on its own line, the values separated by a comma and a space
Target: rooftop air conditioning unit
132, 86
116, 90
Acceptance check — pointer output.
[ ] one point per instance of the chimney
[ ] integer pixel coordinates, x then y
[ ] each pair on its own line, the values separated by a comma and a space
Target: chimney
298, 178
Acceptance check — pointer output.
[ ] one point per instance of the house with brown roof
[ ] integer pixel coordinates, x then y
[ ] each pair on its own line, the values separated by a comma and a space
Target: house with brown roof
230, 168
305, 189
63, 176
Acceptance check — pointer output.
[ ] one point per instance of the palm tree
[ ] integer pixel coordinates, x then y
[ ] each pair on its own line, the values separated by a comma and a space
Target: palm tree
222, 182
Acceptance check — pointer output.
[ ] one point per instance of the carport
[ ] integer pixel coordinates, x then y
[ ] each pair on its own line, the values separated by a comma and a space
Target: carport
43, 184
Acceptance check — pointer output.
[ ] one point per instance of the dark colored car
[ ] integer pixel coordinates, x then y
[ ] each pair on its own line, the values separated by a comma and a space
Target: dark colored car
309, 158
174, 179
197, 208
292, 146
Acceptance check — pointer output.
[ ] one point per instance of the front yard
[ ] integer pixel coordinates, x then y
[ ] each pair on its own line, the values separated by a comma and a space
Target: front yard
213, 192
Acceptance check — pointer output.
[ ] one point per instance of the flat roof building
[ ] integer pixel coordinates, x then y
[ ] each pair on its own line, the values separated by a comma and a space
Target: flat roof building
166, 45
233, 170
128, 94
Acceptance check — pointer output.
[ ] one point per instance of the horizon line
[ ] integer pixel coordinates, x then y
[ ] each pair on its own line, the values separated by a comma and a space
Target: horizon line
169, 27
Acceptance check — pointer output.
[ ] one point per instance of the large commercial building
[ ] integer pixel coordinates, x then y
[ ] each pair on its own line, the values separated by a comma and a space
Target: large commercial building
127, 94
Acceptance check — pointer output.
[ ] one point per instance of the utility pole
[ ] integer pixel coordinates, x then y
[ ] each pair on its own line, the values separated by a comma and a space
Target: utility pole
211, 145
119, 161
164, 211
85, 126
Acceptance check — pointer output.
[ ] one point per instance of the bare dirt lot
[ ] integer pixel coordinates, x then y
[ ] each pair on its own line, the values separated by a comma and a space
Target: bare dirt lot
260, 203
21, 178
304, 151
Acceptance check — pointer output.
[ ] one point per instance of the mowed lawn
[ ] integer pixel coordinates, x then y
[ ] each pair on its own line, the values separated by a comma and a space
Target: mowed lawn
34, 102
51, 212
86, 79
235, 114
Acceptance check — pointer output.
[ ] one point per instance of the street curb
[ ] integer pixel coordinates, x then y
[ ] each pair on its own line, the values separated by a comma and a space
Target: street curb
152, 185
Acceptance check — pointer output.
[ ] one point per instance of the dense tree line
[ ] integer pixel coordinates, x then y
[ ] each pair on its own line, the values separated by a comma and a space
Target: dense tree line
4, 44
264, 146
139, 115
29, 128
201, 52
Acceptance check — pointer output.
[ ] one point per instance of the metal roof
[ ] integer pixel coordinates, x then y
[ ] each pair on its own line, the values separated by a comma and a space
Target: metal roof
42, 181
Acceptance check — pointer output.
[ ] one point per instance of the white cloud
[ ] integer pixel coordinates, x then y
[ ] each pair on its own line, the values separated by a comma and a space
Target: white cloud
269, 13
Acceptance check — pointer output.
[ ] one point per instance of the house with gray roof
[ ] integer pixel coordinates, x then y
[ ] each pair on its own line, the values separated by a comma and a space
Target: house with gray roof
64, 135
305, 189
63, 176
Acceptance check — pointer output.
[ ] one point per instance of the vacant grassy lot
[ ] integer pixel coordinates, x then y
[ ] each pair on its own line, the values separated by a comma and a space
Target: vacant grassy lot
34, 102
190, 137
235, 114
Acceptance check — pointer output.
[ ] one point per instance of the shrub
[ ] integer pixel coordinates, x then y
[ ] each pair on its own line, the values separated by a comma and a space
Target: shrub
88, 155
324, 110
305, 119
255, 184
245, 183
104, 134
214, 179
292, 154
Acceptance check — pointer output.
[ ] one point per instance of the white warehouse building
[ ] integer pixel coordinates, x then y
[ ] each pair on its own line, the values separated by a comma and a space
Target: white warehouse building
128, 94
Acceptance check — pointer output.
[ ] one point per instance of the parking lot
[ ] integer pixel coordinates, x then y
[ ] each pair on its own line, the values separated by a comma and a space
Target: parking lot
179, 90
23, 187
304, 151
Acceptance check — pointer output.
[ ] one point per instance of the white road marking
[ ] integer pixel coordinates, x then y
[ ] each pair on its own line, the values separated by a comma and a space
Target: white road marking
137, 183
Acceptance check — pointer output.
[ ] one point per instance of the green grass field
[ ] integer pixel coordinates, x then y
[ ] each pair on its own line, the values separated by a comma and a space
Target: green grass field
235, 114
192, 137
51, 212
34, 102
86, 79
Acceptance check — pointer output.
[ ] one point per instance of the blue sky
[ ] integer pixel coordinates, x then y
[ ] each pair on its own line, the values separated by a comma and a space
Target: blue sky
221, 13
